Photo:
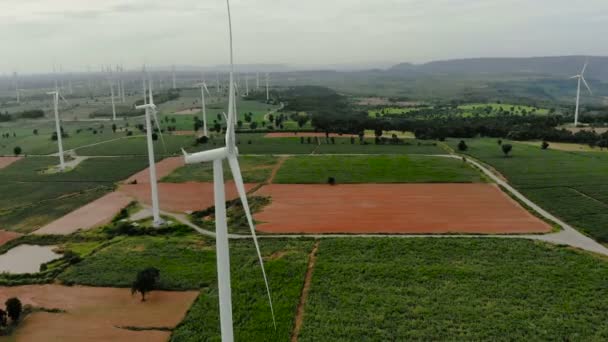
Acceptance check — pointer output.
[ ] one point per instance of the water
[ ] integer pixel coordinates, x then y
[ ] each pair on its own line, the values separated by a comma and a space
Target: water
26, 259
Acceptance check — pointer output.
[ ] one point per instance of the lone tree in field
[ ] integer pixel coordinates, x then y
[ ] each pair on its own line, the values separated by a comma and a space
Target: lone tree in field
114, 128
544, 145
145, 282
331, 181
17, 150
506, 149
462, 146
13, 308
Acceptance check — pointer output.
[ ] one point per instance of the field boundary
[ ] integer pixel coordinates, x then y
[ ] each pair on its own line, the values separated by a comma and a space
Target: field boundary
299, 319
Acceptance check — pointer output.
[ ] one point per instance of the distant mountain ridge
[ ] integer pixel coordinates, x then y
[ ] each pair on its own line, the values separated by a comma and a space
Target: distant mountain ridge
560, 66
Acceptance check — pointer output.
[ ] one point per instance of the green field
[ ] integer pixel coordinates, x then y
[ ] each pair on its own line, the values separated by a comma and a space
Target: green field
454, 289
571, 185
465, 111
32, 199
376, 169
255, 169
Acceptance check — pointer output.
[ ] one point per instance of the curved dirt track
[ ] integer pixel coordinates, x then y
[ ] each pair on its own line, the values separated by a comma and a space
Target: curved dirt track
395, 209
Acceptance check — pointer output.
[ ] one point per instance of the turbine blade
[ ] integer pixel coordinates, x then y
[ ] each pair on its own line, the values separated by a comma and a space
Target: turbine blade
64, 100
577, 76
206, 89
584, 68
160, 133
225, 116
240, 187
586, 85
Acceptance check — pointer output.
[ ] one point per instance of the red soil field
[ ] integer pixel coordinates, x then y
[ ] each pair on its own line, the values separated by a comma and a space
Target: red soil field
6, 161
94, 214
163, 168
182, 197
394, 209
306, 134
95, 314
6, 236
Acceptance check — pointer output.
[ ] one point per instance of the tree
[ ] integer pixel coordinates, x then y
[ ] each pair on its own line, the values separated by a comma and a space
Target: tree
506, 149
114, 128
145, 281
331, 181
154, 136
13, 308
544, 145
35, 131
462, 146
253, 125
2, 318
17, 150
499, 142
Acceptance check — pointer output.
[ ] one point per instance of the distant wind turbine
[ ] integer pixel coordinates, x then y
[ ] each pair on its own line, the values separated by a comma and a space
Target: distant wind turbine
56, 96
580, 77
257, 80
217, 156
174, 79
267, 88
151, 111
204, 89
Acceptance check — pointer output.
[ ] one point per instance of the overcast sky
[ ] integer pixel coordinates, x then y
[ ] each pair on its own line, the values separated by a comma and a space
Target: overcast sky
35, 34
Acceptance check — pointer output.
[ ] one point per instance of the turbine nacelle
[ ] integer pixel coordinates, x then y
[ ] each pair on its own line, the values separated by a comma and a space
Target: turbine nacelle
209, 156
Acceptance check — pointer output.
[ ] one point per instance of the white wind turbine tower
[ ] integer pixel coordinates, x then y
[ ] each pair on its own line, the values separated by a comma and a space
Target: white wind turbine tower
151, 111
56, 96
217, 156
246, 84
174, 80
257, 80
111, 81
204, 89
267, 88
580, 77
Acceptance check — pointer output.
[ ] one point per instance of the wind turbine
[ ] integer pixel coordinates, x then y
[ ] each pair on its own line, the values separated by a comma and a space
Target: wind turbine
204, 89
56, 96
246, 84
217, 156
174, 80
257, 80
267, 88
151, 111
580, 77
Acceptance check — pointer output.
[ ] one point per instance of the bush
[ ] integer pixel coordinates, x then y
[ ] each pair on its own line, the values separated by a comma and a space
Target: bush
462, 146
331, 181
17, 150
202, 140
506, 149
544, 145
13, 308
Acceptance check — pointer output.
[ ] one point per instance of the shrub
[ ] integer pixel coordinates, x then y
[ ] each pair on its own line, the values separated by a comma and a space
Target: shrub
544, 145
17, 150
331, 181
145, 281
506, 149
13, 308
462, 146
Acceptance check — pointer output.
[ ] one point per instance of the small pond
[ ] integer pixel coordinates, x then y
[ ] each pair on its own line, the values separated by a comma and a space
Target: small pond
26, 259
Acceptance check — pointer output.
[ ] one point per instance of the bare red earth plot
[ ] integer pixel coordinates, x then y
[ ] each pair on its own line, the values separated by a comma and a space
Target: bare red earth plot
6, 236
394, 209
6, 161
94, 214
163, 168
97, 314
180, 197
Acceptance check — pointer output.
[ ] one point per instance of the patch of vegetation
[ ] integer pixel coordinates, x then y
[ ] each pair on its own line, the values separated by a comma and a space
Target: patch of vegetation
375, 169
237, 220
570, 185
285, 262
255, 169
446, 289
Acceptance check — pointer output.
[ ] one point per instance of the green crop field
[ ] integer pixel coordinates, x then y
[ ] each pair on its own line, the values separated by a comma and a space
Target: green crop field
31, 199
454, 289
138, 146
571, 185
376, 169
255, 169
285, 262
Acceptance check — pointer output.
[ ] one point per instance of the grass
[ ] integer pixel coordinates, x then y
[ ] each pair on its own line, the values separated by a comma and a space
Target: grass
570, 185
255, 169
185, 263
375, 169
285, 262
138, 146
32, 199
454, 289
